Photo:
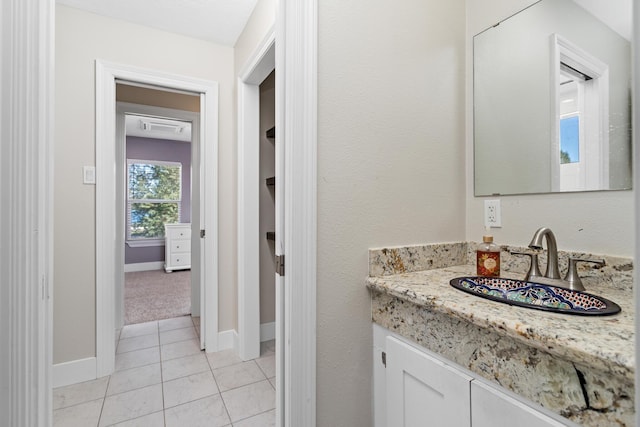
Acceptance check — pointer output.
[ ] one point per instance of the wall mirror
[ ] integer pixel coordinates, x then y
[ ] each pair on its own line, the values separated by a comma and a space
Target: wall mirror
552, 99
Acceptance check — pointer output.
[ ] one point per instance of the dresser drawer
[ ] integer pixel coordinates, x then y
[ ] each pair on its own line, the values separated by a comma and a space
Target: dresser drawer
180, 260
179, 233
179, 246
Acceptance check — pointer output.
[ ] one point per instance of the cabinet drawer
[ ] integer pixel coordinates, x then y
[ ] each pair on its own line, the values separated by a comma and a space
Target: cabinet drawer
179, 233
178, 260
180, 246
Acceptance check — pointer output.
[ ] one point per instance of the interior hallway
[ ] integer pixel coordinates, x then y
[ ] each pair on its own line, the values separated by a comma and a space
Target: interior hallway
162, 378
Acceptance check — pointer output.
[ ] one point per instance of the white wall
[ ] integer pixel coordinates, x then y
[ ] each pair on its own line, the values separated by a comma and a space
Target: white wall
262, 19
597, 222
81, 38
390, 168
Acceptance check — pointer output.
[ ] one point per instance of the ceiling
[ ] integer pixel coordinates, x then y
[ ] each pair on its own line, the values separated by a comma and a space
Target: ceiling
616, 14
222, 21
217, 21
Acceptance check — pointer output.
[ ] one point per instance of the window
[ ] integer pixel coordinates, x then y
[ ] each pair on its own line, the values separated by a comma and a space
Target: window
154, 190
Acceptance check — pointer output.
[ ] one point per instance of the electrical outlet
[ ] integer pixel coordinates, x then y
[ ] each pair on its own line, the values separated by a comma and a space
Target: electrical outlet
492, 215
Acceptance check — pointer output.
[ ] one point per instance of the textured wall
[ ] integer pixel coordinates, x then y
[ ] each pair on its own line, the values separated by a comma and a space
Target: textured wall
261, 21
81, 38
390, 168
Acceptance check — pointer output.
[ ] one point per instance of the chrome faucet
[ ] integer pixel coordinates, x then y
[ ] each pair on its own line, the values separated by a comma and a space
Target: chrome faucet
552, 273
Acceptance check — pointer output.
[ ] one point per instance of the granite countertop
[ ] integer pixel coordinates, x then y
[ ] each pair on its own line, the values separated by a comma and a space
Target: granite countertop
602, 342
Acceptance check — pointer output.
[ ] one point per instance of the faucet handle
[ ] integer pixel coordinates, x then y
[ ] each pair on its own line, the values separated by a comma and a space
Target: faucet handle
572, 276
534, 269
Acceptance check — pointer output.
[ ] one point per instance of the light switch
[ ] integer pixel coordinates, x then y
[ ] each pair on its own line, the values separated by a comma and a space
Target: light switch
89, 174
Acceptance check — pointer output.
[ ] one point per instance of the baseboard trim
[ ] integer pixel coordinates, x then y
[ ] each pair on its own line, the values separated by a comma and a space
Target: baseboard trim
73, 372
144, 266
227, 340
267, 331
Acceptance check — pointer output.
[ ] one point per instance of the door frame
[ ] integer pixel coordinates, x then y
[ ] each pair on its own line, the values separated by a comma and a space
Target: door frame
296, 210
107, 74
27, 87
257, 68
296, 52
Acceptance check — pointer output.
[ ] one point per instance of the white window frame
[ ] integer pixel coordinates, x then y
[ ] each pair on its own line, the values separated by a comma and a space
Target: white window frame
596, 114
144, 241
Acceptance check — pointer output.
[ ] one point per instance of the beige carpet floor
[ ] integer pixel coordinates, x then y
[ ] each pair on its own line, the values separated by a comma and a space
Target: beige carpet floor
156, 295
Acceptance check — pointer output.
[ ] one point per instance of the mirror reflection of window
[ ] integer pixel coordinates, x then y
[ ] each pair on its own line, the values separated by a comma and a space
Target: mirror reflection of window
582, 118
570, 140
516, 107
571, 109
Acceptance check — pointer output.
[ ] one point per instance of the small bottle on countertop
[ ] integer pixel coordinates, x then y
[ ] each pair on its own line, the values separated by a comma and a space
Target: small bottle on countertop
488, 258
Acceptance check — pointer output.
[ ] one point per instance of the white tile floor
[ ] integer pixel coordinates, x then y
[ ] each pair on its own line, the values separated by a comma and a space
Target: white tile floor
163, 379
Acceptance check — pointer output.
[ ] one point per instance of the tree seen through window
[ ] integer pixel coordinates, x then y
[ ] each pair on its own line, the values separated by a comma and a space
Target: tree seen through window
154, 195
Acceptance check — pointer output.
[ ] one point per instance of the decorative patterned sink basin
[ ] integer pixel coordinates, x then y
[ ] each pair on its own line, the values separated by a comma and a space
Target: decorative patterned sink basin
535, 295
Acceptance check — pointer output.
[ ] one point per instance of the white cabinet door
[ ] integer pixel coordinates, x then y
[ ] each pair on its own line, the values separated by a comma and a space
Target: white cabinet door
423, 391
492, 408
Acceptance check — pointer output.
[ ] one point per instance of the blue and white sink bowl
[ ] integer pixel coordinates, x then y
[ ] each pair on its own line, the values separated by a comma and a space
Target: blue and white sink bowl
536, 296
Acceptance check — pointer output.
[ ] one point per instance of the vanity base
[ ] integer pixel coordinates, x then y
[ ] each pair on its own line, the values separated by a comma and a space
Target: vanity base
580, 393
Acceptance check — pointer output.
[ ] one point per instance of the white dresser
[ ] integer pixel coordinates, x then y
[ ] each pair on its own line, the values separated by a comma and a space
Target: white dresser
177, 249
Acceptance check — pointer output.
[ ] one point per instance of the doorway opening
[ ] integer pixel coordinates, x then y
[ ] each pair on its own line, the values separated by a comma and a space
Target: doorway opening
267, 213
157, 151
156, 163
157, 206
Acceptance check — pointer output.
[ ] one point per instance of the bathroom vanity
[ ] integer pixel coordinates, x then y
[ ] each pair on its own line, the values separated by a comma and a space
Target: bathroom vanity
451, 354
